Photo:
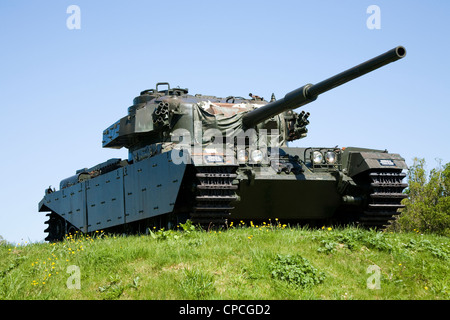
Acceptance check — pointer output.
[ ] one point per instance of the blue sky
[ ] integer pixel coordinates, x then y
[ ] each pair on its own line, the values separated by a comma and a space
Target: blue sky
60, 88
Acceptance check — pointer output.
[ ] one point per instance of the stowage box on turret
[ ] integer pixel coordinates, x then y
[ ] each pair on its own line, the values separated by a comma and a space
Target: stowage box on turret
214, 160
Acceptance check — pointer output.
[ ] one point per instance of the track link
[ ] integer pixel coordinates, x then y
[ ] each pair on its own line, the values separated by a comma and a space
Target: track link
214, 194
386, 189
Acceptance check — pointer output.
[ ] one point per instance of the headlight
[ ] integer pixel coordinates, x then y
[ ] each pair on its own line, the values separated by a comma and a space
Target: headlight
317, 157
242, 156
257, 156
330, 157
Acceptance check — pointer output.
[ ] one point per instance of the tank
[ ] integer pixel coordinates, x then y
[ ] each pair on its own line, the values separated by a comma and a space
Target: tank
215, 160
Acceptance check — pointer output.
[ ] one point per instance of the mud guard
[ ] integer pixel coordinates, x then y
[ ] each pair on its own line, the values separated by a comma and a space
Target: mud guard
358, 160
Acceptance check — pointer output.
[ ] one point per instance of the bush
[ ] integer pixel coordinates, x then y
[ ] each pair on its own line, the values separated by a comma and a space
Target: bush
296, 271
428, 203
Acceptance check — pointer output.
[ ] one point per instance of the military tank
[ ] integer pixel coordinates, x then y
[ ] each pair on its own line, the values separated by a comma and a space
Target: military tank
214, 160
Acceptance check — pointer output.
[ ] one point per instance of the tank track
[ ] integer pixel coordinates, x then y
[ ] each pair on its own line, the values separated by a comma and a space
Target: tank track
214, 193
56, 227
386, 194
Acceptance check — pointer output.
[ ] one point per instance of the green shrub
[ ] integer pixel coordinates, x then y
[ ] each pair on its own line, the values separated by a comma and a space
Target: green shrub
428, 203
296, 271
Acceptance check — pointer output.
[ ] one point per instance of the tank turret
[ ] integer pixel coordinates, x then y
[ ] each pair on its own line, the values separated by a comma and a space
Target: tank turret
157, 113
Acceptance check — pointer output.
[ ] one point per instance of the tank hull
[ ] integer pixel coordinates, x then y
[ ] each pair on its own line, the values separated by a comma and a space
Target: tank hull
158, 192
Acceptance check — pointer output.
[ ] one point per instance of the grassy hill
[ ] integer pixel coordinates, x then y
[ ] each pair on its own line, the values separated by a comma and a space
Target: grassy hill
268, 261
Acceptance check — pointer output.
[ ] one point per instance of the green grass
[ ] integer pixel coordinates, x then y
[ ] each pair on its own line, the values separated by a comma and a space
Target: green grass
255, 262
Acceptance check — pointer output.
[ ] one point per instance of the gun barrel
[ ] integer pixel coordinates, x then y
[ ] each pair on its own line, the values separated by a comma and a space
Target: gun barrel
309, 92
357, 71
